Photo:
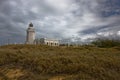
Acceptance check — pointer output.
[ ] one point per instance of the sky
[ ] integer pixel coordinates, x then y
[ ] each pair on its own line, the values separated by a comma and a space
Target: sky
81, 20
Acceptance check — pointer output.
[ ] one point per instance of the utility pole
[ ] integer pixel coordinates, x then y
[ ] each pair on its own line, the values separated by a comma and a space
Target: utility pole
8, 41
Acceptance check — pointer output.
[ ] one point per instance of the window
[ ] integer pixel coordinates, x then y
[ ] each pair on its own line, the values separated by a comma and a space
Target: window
51, 44
55, 44
47, 43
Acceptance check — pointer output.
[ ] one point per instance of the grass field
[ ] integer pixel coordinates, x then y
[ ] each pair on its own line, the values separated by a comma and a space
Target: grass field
37, 62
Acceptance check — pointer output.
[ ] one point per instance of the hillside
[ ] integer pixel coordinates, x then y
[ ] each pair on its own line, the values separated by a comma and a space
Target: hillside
37, 62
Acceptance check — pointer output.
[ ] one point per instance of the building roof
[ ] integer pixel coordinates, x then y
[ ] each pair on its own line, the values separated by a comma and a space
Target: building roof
30, 25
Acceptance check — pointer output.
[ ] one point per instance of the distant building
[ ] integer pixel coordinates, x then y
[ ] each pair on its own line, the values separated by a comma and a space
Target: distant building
45, 41
30, 38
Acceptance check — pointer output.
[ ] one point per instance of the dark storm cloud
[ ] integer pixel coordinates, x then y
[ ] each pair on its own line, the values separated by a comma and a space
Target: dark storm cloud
113, 24
92, 30
109, 7
58, 18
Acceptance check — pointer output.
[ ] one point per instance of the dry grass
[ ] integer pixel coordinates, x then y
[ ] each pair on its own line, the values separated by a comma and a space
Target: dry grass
37, 62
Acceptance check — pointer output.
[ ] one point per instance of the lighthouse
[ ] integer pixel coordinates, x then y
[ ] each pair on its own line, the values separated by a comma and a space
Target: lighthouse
30, 37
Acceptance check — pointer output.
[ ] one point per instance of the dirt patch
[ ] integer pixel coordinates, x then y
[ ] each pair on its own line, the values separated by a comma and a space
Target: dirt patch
57, 78
14, 73
11, 73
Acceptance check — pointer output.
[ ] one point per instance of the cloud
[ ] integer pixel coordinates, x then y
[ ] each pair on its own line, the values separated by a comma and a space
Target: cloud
59, 18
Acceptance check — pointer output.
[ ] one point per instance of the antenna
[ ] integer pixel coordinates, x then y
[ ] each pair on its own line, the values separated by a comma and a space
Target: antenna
8, 41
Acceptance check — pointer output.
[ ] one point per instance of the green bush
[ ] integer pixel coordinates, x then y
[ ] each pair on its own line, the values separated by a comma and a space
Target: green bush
106, 43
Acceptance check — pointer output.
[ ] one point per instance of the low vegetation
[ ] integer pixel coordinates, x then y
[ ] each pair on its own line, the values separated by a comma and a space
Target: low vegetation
38, 62
106, 43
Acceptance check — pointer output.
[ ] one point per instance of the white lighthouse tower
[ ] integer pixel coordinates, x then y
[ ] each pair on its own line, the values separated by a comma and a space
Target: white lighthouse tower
30, 38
